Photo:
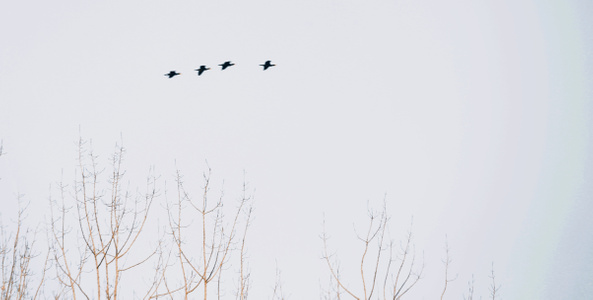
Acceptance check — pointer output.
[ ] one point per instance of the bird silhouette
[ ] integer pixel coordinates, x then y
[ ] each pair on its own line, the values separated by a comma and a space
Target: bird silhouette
226, 64
202, 69
172, 74
267, 64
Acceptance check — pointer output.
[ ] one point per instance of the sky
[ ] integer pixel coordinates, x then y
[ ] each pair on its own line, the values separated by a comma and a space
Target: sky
472, 118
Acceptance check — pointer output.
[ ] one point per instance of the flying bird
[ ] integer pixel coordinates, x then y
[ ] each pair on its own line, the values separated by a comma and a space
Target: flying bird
267, 64
202, 69
226, 64
172, 74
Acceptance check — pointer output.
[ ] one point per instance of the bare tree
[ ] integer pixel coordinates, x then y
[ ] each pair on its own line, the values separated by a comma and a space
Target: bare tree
217, 241
405, 279
110, 221
16, 254
397, 283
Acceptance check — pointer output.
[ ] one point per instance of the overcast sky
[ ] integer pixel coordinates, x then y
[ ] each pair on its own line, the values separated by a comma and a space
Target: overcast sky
474, 117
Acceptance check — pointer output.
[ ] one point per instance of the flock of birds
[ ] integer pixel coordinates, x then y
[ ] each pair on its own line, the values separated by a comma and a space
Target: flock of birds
224, 65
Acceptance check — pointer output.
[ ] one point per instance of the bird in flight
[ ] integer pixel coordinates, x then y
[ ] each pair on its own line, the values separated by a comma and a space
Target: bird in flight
172, 74
226, 64
202, 69
267, 64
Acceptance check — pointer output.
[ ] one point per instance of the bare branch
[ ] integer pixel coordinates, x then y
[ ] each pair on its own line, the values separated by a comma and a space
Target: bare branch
383, 280
493, 287
334, 271
277, 293
446, 261
470, 287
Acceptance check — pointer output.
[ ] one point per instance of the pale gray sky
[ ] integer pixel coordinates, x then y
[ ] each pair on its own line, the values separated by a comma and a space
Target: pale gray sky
472, 117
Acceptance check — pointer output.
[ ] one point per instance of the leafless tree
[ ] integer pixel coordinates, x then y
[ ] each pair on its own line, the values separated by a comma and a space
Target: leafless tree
217, 241
395, 284
16, 255
110, 221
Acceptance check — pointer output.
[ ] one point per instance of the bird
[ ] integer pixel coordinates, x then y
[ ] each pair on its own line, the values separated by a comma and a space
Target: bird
202, 69
172, 74
267, 64
226, 64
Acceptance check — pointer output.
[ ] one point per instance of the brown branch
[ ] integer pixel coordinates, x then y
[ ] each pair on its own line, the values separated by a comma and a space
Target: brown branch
244, 278
332, 270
